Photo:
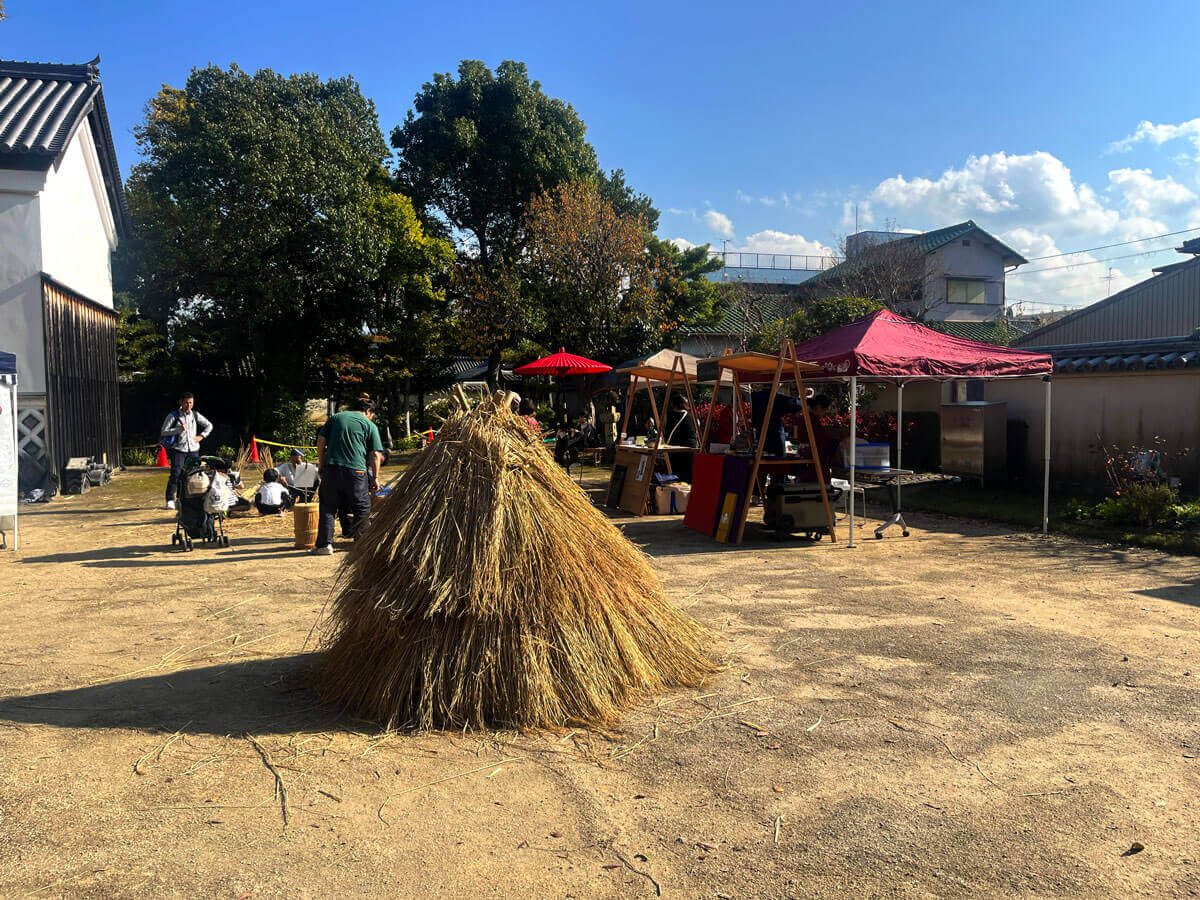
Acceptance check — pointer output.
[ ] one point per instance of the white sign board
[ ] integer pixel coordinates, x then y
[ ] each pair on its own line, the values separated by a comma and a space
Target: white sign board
8, 454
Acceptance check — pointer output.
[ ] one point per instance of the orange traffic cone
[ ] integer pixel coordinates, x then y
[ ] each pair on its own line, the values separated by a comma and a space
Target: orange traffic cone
253, 449
161, 461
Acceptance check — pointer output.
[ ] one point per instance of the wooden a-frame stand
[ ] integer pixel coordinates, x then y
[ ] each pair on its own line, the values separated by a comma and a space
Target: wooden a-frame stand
631, 495
754, 366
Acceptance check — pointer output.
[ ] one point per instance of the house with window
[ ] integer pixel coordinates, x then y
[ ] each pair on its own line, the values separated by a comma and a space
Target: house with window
62, 212
952, 274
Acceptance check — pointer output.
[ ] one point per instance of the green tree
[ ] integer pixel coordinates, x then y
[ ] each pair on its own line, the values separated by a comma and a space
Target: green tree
267, 223
686, 297
588, 273
473, 152
815, 317
141, 342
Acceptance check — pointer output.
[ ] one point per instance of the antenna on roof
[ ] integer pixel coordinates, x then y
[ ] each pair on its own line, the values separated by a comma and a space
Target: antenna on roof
1108, 278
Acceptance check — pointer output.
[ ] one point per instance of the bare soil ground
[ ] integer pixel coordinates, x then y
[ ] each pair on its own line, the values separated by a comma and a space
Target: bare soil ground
963, 711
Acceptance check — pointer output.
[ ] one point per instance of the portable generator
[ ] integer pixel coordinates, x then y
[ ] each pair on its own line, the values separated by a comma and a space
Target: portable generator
795, 508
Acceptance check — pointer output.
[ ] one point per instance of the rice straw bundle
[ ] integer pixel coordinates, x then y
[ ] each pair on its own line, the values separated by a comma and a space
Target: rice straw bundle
489, 591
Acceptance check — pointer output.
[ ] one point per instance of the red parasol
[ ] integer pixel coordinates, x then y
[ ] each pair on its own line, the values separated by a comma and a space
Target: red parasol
562, 363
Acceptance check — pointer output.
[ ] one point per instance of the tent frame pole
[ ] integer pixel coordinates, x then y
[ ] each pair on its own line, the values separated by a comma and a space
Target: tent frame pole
853, 449
1046, 463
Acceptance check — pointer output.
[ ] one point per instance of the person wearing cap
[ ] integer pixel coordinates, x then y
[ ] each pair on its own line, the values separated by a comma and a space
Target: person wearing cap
300, 477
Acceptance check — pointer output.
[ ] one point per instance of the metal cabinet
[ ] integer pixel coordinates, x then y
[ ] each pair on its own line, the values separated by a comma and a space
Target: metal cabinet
975, 439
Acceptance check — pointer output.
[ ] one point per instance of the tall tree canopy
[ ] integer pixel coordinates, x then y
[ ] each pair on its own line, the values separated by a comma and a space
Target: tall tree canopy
267, 221
587, 268
475, 149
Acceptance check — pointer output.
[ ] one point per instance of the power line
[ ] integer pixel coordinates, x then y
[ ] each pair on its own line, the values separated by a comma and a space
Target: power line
1152, 237
1091, 262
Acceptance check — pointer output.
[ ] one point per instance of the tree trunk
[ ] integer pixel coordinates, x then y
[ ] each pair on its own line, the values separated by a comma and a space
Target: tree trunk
407, 407
493, 369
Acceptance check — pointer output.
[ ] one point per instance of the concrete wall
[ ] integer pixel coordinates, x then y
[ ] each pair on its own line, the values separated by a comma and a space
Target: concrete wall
1123, 408
78, 234
20, 278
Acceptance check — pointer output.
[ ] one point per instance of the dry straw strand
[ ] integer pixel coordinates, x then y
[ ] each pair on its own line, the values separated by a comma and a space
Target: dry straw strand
490, 592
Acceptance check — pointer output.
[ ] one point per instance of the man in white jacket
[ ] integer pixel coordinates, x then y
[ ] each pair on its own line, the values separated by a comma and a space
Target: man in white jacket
181, 434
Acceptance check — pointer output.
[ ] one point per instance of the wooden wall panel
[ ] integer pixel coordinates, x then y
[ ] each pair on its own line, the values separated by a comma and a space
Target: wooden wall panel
82, 398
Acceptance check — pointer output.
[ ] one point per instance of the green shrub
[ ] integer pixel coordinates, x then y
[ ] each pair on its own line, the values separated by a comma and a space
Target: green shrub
545, 415
408, 443
138, 456
1147, 505
290, 424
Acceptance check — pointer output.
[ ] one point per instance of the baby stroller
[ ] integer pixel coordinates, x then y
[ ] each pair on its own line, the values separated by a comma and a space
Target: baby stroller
204, 494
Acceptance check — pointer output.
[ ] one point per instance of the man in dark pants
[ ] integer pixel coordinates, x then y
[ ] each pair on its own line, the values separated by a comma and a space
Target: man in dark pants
349, 451
181, 434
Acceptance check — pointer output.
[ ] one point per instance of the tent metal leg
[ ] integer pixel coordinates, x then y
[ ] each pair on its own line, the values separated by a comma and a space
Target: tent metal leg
897, 517
1046, 465
853, 448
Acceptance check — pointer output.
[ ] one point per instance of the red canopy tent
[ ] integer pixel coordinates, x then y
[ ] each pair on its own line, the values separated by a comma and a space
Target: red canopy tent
886, 347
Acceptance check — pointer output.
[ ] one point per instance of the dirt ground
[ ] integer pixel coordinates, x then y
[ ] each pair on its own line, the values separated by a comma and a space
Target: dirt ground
963, 711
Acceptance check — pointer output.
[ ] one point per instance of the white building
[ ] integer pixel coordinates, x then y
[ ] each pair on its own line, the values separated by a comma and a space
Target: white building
62, 211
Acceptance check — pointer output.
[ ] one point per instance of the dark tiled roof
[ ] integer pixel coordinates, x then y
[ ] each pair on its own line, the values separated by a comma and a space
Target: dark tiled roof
1128, 356
752, 316
927, 242
999, 331
42, 106
464, 368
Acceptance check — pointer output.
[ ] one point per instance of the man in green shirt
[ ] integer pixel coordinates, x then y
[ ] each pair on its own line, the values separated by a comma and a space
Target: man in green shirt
348, 455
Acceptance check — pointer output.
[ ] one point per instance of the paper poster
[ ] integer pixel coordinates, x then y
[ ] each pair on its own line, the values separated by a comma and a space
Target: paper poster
641, 472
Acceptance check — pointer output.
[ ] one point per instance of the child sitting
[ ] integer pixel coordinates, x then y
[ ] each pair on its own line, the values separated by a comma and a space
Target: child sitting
272, 496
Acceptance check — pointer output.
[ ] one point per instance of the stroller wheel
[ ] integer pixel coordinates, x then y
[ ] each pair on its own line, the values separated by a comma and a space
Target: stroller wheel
224, 540
175, 539
187, 543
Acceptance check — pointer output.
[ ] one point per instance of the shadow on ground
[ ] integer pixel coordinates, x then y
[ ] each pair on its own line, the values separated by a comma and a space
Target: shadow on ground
261, 696
163, 553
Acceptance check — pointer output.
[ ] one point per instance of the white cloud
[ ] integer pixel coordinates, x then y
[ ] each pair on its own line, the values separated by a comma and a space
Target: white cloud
744, 197
771, 241
1149, 197
682, 243
863, 216
1006, 190
1148, 132
718, 222
1074, 280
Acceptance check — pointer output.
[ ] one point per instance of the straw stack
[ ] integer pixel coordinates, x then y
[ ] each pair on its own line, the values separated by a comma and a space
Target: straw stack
489, 591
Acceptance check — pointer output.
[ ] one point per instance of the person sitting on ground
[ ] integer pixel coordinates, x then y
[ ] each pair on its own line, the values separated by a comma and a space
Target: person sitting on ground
272, 496
299, 477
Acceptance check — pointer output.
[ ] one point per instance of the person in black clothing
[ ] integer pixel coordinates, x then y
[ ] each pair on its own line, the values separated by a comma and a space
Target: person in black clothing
680, 431
776, 433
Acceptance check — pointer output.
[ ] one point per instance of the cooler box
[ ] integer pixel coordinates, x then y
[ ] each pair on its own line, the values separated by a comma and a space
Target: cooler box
866, 456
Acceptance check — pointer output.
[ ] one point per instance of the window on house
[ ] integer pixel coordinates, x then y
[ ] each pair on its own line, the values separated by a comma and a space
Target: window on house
964, 290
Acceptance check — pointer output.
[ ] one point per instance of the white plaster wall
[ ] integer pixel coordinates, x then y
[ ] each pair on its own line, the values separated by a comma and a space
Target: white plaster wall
976, 261
20, 281
76, 223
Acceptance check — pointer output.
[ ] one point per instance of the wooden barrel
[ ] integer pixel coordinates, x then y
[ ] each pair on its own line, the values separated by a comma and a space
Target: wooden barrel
304, 516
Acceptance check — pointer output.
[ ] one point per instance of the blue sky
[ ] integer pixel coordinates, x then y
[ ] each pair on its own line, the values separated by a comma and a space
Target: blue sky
1057, 127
